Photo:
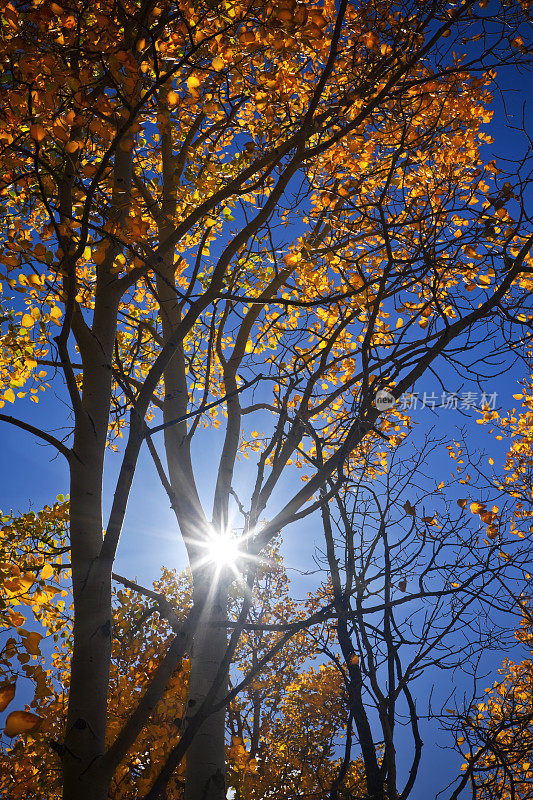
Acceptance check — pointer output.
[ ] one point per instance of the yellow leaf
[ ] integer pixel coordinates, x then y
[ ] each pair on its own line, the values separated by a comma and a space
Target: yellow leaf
399, 322
27, 321
7, 693
192, 83
27, 580
217, 63
21, 722
476, 508
291, 259
47, 572
9, 395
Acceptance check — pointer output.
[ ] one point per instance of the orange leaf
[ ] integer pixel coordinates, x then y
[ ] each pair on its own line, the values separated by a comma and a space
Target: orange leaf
21, 722
291, 259
37, 132
409, 509
31, 643
7, 693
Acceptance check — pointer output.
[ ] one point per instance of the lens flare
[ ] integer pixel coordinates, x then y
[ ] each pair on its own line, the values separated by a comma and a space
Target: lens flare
222, 550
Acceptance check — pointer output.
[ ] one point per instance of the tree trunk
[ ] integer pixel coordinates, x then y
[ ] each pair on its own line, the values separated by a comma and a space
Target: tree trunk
206, 758
85, 735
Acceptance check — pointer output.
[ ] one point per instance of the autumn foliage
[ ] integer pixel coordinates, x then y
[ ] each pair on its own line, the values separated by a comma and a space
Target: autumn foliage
273, 726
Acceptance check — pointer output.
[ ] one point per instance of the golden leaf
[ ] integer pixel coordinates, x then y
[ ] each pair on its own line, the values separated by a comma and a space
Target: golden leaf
192, 82
27, 321
47, 572
291, 259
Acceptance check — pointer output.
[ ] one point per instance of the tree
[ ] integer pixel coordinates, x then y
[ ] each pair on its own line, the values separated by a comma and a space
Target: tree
495, 735
494, 732
134, 135
273, 725
418, 586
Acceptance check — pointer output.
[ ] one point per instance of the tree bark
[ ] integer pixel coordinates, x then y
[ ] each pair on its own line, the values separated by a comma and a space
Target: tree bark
206, 758
85, 735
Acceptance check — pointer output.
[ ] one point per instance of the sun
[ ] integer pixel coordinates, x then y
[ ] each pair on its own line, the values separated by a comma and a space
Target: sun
223, 550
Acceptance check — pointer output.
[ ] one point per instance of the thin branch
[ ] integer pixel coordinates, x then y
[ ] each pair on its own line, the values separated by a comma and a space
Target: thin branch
47, 437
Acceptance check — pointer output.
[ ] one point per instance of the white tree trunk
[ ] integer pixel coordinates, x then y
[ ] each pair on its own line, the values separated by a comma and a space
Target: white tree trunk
206, 759
85, 734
